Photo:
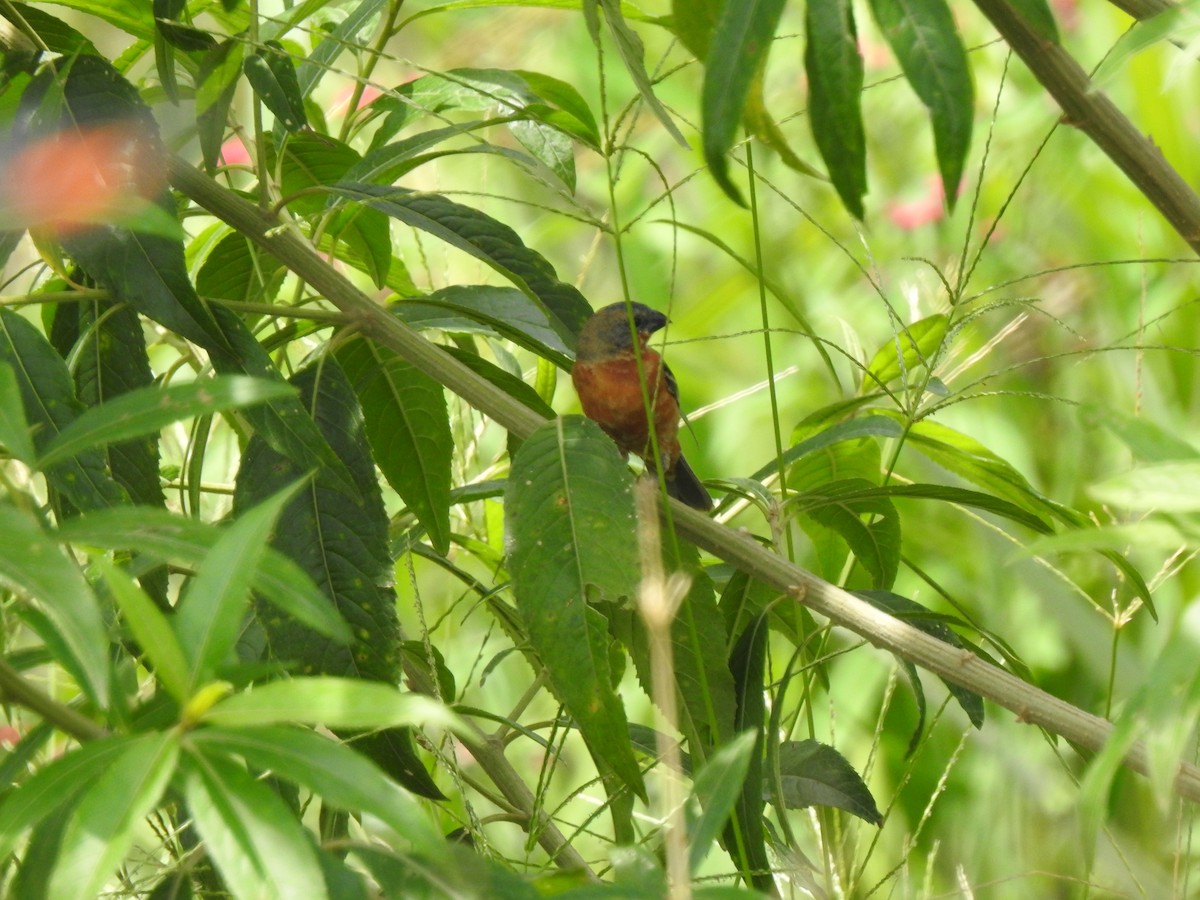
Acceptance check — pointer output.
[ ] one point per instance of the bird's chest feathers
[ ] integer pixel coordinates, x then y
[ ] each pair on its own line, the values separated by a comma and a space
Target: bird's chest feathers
611, 395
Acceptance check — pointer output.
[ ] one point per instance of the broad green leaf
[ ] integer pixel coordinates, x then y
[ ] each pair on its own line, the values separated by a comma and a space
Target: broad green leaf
31, 565
717, 788
835, 80
738, 51
257, 844
925, 40
151, 629
745, 838
14, 429
48, 398
101, 829
629, 46
408, 425
149, 410
184, 541
569, 520
919, 617
868, 523
487, 240
332, 702
331, 770
273, 77
210, 614
815, 774
54, 784
913, 347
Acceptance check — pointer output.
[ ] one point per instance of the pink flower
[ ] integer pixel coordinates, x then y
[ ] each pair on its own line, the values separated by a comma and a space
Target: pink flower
234, 152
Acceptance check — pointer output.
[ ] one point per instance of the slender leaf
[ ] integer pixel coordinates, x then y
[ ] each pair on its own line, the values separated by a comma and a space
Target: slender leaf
717, 787
14, 428
835, 80
273, 77
913, 346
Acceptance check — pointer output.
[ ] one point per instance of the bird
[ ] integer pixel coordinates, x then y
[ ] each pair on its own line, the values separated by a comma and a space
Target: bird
605, 375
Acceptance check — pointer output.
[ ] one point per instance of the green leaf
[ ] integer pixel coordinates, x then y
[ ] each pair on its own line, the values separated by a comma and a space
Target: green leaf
333, 702
14, 429
151, 629
854, 429
236, 269
408, 426
1040, 18
870, 525
149, 410
258, 846
717, 787
744, 835
131, 16
54, 784
331, 770
183, 541
925, 40
958, 496
629, 45
569, 520
210, 614
48, 398
835, 80
739, 48
814, 774
919, 617
273, 77
32, 565
352, 31
911, 348
485, 239
215, 82
1163, 487
58, 36
102, 828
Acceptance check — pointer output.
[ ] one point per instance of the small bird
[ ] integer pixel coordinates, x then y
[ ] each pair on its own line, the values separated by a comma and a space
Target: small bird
605, 375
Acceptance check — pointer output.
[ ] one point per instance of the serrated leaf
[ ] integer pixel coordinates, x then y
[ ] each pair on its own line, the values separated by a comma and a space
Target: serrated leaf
148, 410
184, 541
913, 347
487, 240
57, 36
815, 774
54, 784
347, 703
716, 788
919, 617
31, 565
257, 844
835, 80
48, 398
273, 77
738, 50
744, 836
870, 525
569, 520
101, 829
925, 40
331, 770
210, 614
408, 425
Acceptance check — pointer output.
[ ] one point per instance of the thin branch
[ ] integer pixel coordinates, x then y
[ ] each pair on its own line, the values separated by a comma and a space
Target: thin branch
15, 689
1030, 704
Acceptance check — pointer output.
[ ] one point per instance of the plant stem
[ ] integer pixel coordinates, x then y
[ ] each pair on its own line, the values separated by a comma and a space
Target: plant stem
15, 689
1031, 704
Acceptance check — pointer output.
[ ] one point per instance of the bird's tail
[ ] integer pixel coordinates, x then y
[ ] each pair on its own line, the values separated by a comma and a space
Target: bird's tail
684, 486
